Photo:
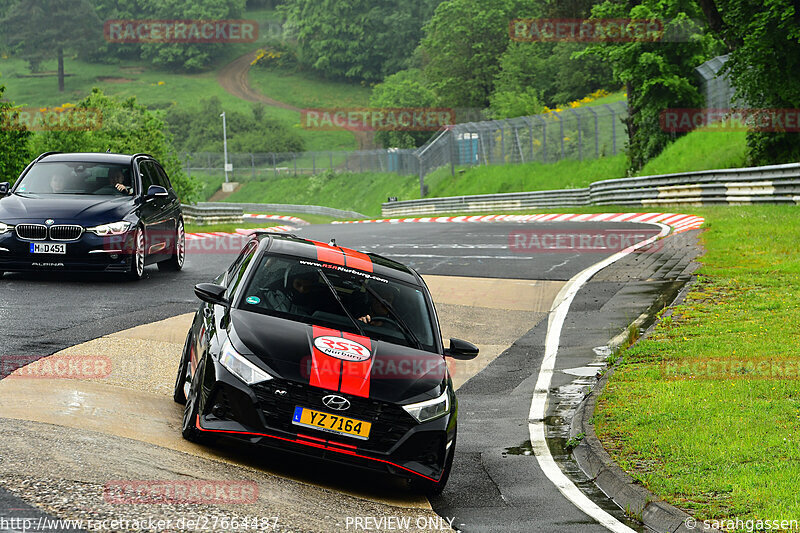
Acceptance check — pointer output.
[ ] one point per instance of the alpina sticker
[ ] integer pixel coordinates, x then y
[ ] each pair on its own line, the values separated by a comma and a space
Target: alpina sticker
342, 348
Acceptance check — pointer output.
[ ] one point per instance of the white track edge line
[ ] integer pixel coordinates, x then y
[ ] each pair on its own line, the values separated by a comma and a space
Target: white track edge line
536, 427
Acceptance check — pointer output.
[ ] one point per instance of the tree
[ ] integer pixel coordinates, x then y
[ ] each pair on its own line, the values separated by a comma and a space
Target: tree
356, 39
550, 69
657, 75
462, 47
406, 88
15, 153
44, 29
126, 127
764, 43
199, 129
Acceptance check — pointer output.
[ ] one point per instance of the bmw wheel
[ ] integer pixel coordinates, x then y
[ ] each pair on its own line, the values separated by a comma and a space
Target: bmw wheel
175, 262
137, 259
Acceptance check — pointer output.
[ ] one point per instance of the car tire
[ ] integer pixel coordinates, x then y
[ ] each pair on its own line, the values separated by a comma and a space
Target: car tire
2, 273
136, 270
189, 429
432, 488
176, 260
179, 393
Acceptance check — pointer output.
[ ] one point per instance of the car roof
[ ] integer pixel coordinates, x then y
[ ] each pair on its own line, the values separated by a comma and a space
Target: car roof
289, 244
89, 157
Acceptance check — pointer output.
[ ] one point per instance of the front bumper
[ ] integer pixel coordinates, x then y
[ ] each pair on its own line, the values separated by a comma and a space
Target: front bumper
398, 444
89, 253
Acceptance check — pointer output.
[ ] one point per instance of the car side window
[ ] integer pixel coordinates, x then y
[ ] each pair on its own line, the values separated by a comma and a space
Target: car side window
163, 180
145, 169
236, 272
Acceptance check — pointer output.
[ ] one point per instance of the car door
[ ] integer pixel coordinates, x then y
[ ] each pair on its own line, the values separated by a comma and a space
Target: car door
172, 205
152, 213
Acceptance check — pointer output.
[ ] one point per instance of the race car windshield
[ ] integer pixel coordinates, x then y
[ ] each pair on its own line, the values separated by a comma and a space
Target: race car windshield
295, 289
77, 178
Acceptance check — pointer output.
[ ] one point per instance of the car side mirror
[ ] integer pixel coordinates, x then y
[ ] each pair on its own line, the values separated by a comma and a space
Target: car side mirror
4, 188
461, 350
156, 191
212, 294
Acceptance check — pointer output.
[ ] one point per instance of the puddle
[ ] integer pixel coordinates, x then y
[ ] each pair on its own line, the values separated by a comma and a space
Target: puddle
526, 448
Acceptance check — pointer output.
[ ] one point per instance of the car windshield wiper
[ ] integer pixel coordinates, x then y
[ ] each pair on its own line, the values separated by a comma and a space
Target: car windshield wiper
339, 301
402, 323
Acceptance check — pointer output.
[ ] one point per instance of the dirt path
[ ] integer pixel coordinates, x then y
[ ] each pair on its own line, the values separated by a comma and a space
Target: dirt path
233, 78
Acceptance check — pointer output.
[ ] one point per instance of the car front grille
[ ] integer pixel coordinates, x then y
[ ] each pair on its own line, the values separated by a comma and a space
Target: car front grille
66, 233
389, 421
32, 232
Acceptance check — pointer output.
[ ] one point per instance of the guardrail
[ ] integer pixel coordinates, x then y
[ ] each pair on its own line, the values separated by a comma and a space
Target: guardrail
205, 215
285, 208
737, 186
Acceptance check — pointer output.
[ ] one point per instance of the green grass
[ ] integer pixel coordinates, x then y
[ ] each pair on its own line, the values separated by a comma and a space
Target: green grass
140, 80
567, 174
362, 193
700, 150
720, 443
307, 91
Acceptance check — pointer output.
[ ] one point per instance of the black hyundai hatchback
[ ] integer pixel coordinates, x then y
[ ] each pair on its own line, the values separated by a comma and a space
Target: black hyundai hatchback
325, 351
91, 212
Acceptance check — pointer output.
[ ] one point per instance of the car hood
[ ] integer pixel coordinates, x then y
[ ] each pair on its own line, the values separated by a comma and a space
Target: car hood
64, 209
309, 354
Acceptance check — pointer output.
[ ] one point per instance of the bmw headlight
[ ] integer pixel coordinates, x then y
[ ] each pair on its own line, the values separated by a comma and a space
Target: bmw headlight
241, 367
5, 227
430, 409
115, 228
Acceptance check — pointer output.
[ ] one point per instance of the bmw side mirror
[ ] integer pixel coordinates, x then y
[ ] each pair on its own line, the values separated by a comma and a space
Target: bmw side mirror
4, 188
461, 350
155, 191
212, 294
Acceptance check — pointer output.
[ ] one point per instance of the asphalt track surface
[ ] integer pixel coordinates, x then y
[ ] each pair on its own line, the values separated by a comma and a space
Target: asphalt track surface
495, 485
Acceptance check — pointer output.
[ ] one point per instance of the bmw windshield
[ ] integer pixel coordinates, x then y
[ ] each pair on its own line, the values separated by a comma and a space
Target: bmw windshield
101, 179
345, 299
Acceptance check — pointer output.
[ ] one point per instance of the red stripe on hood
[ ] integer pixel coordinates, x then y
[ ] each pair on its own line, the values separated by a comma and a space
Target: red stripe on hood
325, 370
328, 254
356, 375
357, 260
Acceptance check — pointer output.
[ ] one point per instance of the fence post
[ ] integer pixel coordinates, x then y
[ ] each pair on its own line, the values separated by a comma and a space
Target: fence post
452, 152
330, 160
503, 142
421, 179
253, 164
544, 140
294, 157
561, 131
580, 134
313, 163
274, 164
613, 129
596, 133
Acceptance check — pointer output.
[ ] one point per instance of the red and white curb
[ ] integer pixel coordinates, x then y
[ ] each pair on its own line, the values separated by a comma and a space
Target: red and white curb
239, 232
677, 222
282, 218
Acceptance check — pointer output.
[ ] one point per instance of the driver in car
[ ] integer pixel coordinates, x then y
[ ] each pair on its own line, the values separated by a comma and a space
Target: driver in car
376, 308
116, 179
58, 183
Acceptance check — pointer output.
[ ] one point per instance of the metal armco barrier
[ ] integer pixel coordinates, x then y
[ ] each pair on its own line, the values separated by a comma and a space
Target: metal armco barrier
204, 215
738, 186
284, 208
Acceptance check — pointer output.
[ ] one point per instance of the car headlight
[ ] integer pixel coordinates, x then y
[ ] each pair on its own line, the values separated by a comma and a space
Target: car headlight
5, 227
430, 409
241, 367
115, 228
